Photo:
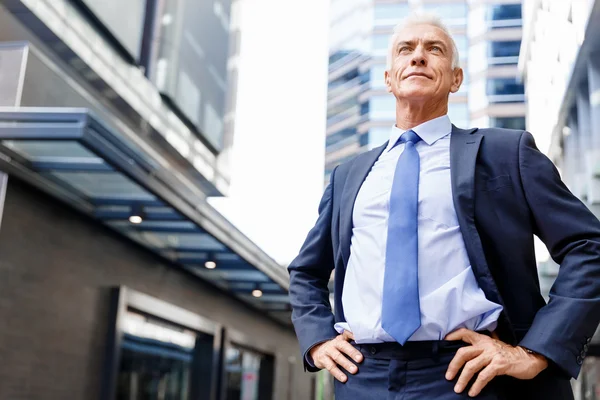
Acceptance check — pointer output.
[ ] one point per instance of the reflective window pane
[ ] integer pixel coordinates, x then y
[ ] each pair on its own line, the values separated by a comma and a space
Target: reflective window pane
159, 361
509, 48
501, 12
504, 86
249, 374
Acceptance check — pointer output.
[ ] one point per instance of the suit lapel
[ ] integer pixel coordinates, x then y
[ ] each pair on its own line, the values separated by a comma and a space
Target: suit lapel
356, 176
464, 147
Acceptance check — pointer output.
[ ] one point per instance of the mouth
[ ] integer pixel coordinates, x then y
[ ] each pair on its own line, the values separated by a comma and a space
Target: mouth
416, 74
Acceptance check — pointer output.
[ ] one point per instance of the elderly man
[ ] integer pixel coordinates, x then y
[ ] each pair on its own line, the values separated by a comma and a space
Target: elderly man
432, 239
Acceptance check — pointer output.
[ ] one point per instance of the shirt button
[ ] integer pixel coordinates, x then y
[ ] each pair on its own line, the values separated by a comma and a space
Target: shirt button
373, 350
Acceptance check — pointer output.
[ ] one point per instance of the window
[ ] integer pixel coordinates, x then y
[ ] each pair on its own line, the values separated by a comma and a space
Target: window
504, 12
391, 11
508, 122
504, 86
509, 48
249, 374
123, 19
157, 359
157, 351
452, 14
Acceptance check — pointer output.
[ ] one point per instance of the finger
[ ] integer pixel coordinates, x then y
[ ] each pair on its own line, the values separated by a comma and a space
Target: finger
463, 334
341, 360
331, 366
348, 335
471, 368
350, 351
462, 356
483, 379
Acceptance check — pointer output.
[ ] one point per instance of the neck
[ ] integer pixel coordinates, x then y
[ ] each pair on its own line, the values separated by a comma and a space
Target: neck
410, 113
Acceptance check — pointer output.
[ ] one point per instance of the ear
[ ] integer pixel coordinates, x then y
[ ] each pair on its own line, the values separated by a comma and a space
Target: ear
458, 77
388, 81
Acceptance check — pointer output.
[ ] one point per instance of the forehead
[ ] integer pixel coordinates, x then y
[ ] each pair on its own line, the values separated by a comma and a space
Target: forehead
422, 32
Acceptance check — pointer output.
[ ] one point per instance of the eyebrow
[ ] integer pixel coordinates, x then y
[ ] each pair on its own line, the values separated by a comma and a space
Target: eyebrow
427, 43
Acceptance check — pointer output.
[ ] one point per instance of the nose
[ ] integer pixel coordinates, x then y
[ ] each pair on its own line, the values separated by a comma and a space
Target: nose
418, 58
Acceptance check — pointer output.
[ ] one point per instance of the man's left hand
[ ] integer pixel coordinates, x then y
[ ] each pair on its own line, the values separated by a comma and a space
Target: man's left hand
490, 357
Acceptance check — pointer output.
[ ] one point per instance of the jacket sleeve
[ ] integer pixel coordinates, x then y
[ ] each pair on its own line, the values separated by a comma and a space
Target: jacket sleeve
309, 275
562, 329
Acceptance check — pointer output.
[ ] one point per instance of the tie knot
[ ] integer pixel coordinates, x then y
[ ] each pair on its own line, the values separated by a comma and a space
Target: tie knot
409, 136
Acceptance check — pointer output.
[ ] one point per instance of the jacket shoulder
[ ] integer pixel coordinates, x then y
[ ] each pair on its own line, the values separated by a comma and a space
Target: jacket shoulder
500, 139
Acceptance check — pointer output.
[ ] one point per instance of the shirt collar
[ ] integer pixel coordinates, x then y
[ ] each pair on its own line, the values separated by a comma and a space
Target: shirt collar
430, 131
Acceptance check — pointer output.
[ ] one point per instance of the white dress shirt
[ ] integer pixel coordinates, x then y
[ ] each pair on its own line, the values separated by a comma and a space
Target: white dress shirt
449, 295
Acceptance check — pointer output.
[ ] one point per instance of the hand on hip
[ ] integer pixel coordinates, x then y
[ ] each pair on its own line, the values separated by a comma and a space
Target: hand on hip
334, 354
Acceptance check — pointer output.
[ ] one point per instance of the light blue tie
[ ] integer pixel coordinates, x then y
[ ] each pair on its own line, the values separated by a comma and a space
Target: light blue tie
401, 315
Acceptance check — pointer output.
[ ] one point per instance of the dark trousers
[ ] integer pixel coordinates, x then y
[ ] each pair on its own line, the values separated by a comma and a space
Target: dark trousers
415, 371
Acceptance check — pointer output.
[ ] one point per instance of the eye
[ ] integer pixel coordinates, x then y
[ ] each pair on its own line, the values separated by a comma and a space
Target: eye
403, 49
436, 49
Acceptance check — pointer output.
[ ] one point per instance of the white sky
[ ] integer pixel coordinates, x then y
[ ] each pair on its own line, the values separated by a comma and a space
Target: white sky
278, 154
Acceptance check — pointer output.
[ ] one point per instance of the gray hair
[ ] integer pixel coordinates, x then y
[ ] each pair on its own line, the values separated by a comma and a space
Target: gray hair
422, 18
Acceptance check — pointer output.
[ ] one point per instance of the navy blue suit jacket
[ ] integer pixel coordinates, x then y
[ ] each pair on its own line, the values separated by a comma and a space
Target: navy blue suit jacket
505, 191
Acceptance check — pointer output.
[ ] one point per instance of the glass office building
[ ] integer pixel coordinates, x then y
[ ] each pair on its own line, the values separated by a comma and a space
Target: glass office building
360, 112
561, 71
118, 280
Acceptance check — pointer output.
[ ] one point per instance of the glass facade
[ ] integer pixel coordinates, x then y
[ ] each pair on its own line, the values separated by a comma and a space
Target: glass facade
183, 48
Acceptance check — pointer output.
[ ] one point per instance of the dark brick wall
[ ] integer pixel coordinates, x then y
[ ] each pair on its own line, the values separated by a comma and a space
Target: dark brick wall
56, 268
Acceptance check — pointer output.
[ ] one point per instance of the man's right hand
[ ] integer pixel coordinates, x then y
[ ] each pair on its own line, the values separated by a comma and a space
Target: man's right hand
333, 354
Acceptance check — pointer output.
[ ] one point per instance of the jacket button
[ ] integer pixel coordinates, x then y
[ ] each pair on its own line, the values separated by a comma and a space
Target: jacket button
579, 360
586, 348
373, 351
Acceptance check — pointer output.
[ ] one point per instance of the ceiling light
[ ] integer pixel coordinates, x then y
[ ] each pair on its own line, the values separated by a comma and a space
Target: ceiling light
210, 265
135, 219
137, 214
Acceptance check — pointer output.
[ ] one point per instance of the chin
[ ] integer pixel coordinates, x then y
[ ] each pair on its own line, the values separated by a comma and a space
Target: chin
415, 93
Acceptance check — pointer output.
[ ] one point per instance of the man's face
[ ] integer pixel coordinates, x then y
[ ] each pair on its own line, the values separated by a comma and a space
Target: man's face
421, 66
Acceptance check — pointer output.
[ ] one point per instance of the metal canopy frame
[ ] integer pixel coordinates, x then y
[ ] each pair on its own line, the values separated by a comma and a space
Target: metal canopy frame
73, 155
